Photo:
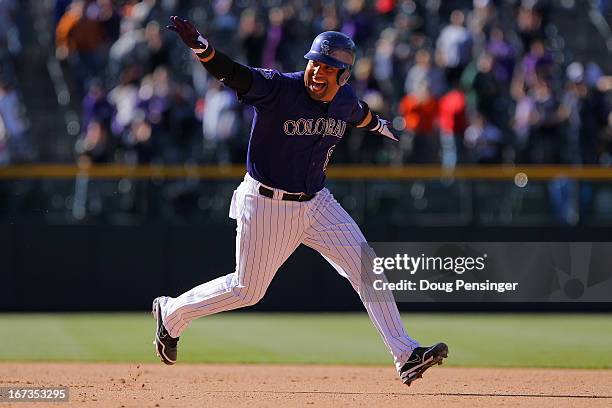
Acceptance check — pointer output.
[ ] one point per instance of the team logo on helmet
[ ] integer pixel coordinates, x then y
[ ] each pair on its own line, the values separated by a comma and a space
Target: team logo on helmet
325, 47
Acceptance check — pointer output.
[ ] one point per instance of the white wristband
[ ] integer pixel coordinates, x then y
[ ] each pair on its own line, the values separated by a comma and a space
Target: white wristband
203, 41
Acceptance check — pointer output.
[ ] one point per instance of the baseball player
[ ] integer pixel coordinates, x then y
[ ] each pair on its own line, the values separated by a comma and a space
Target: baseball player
282, 202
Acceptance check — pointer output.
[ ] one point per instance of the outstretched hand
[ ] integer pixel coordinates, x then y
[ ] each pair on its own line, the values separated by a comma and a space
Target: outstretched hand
382, 128
188, 33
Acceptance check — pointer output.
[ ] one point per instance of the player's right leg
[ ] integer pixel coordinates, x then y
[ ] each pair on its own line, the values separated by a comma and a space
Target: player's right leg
268, 231
335, 235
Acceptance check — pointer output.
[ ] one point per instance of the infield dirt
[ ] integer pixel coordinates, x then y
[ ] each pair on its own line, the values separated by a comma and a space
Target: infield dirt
185, 385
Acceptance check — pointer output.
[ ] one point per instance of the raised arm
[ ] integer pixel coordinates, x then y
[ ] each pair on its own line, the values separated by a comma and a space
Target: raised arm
232, 74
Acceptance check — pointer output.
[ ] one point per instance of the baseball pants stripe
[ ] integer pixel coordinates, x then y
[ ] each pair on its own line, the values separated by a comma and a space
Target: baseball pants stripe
256, 237
268, 232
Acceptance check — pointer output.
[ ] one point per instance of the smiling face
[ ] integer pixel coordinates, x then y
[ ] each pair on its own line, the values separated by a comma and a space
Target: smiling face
321, 80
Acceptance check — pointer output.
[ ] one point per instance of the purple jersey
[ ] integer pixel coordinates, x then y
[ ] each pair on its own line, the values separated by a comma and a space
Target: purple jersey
293, 136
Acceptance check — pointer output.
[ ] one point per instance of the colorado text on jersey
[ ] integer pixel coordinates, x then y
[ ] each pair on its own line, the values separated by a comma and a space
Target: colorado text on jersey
325, 126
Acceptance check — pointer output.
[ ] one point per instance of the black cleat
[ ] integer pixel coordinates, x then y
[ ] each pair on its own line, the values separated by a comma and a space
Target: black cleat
165, 346
420, 360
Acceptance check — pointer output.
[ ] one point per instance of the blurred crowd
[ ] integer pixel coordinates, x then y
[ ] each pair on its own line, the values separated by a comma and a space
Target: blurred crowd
467, 81
14, 141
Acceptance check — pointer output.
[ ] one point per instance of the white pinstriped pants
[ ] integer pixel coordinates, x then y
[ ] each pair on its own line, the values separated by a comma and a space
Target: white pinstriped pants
269, 230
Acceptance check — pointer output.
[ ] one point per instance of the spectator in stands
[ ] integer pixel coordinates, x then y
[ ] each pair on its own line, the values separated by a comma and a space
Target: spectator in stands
274, 38
419, 110
500, 65
424, 70
384, 62
454, 47
363, 80
96, 106
154, 51
407, 26
569, 111
385, 7
530, 22
110, 19
16, 136
452, 121
483, 141
481, 21
186, 144
597, 110
147, 135
137, 47
484, 94
521, 126
124, 99
94, 146
328, 19
585, 111
220, 122
504, 56
224, 23
9, 34
546, 143
537, 62
536, 67
357, 22
138, 140
252, 36
139, 13
154, 98
292, 45
360, 147
82, 40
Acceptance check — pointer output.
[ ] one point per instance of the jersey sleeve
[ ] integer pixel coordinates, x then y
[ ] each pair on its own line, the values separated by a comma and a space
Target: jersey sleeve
266, 89
358, 113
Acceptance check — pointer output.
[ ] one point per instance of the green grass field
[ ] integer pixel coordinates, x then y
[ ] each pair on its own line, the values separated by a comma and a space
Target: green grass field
494, 340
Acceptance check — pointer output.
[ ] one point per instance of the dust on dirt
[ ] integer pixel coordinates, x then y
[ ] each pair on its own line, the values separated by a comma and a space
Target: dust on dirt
213, 385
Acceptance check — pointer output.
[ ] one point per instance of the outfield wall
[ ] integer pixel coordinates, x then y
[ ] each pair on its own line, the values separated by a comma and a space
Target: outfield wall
112, 237
106, 268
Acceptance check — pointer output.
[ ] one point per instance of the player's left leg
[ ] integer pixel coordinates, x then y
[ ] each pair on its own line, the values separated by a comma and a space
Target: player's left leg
268, 231
332, 232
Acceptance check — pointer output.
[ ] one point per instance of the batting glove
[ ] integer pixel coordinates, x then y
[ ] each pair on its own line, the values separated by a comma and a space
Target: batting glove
381, 126
190, 36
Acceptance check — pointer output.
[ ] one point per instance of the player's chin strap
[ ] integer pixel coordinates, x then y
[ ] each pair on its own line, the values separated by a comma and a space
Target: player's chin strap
343, 76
